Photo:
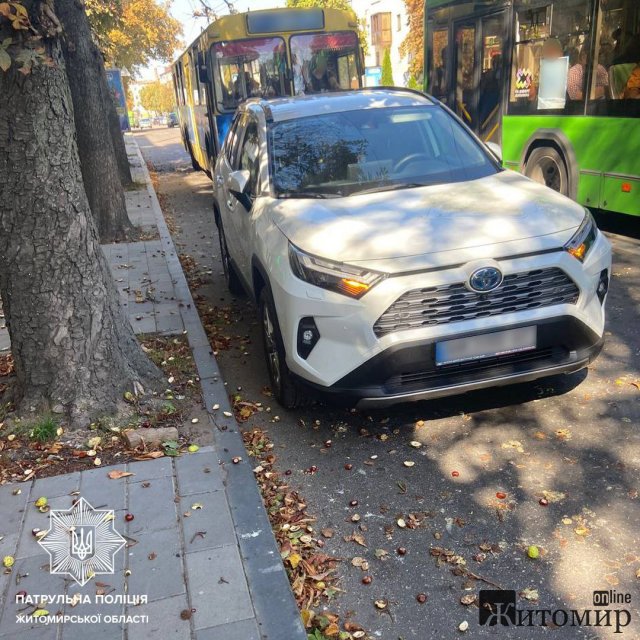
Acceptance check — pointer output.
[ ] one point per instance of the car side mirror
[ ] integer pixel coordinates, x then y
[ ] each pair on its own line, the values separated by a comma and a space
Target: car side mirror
238, 183
495, 149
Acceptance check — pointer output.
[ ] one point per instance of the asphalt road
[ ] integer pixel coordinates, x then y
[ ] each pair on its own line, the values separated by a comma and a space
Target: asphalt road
574, 437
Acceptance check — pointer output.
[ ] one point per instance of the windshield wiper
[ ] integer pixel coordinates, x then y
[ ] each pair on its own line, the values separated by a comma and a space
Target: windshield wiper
308, 194
390, 187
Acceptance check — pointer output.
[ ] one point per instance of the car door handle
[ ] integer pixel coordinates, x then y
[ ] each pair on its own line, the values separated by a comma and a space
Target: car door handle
219, 181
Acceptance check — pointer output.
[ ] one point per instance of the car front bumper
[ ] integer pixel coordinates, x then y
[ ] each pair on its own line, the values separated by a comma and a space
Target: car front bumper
351, 360
409, 372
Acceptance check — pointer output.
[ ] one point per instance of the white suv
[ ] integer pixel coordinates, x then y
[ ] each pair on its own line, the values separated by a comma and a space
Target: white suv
393, 258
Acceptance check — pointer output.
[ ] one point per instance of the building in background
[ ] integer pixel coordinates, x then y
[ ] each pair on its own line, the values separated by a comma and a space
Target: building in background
386, 27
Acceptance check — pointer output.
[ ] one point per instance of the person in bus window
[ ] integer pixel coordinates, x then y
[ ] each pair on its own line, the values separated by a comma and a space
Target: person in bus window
632, 88
577, 78
319, 78
439, 78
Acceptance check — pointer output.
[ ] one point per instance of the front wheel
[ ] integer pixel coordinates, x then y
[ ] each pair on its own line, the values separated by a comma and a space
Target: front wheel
284, 388
546, 166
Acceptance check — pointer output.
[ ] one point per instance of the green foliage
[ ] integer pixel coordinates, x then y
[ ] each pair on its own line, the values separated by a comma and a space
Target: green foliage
413, 45
44, 430
387, 72
131, 33
413, 83
157, 97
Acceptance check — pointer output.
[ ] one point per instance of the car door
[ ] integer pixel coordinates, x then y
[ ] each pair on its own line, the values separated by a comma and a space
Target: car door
248, 159
227, 203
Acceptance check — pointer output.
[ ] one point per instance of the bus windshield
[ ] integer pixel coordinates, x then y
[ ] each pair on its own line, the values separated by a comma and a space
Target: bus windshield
249, 68
324, 62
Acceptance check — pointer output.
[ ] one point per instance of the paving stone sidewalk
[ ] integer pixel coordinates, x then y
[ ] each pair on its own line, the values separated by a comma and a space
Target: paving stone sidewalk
199, 547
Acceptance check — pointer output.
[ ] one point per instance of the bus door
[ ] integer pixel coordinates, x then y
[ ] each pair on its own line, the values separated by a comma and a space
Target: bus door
480, 74
465, 76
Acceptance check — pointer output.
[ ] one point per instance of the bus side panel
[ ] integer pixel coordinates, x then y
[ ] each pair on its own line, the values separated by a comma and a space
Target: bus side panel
605, 149
223, 124
201, 124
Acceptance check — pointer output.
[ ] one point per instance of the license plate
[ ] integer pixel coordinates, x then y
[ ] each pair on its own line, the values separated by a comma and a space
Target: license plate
487, 345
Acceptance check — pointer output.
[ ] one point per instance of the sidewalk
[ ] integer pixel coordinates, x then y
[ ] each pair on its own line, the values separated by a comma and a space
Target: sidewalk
200, 546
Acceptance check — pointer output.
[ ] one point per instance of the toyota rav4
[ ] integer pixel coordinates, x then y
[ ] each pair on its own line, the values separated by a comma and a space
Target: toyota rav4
393, 258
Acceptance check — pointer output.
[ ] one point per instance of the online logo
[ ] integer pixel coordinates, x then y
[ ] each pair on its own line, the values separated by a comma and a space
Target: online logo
497, 608
81, 541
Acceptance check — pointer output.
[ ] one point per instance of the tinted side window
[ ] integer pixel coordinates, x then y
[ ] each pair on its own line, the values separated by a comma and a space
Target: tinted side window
232, 139
250, 157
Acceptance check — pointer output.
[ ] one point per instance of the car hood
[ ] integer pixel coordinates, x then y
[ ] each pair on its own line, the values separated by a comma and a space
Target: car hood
432, 225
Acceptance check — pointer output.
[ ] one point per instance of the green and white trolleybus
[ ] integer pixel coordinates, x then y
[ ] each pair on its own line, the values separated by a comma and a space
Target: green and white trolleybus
555, 82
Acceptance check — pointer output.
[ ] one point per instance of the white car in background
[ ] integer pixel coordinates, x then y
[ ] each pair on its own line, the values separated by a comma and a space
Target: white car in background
391, 256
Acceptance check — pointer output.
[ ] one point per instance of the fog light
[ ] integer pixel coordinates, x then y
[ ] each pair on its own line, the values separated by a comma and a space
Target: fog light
603, 285
308, 336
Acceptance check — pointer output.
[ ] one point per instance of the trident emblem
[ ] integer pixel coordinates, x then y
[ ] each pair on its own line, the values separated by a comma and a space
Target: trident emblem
82, 541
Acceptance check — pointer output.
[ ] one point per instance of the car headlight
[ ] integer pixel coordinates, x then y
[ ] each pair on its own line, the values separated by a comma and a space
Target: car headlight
583, 238
342, 278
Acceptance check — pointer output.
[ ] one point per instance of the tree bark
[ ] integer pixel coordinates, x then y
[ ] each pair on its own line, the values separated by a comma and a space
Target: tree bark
71, 342
85, 70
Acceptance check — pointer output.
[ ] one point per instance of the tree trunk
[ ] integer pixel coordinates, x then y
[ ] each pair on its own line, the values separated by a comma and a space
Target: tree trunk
71, 342
85, 70
117, 138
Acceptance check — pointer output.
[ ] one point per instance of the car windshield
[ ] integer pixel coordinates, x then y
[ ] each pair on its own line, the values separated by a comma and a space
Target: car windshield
249, 68
373, 150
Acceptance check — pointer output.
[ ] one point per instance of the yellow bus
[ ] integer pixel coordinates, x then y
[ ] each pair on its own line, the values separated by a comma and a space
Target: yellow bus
277, 52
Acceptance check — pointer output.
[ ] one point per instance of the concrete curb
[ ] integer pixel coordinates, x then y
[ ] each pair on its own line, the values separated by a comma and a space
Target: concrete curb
275, 607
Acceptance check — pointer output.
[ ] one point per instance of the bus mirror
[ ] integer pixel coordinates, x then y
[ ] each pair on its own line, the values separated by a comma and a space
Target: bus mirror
495, 149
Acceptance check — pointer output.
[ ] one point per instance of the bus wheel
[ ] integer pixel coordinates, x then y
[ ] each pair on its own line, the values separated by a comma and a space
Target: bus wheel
194, 162
546, 166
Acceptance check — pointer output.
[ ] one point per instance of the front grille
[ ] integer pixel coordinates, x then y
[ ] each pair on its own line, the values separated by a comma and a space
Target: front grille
496, 366
454, 302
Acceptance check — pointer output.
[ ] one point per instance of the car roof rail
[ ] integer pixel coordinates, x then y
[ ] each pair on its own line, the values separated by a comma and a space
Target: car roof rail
417, 92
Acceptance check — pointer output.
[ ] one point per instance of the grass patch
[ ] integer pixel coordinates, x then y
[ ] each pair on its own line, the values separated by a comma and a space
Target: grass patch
45, 429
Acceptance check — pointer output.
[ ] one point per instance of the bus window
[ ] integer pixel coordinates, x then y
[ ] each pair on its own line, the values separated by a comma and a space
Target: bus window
616, 63
249, 68
551, 58
438, 64
325, 62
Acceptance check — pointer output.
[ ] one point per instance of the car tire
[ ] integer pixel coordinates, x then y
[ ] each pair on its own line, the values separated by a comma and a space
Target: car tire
283, 386
231, 276
546, 166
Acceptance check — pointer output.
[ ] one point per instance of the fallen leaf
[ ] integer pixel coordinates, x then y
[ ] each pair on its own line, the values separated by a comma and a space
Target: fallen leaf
294, 560
116, 474
554, 496
530, 594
